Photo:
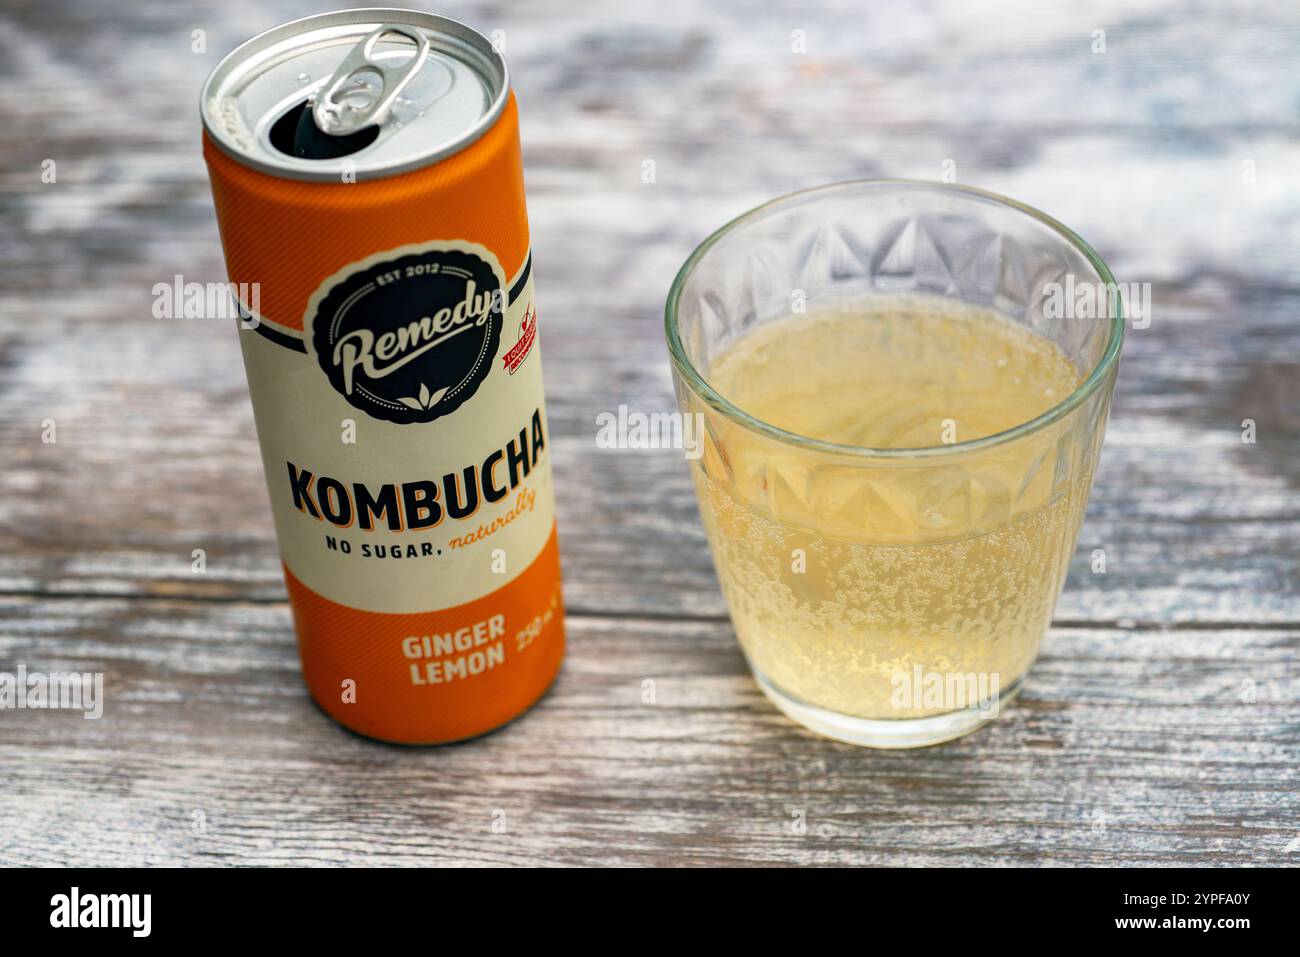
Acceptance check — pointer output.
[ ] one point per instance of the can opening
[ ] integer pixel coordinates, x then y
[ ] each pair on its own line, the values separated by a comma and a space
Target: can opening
296, 134
391, 90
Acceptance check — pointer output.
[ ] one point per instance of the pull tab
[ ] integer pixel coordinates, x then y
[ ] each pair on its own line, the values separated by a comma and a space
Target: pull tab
362, 90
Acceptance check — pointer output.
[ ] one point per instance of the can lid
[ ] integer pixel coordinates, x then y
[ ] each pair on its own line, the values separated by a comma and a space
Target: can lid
368, 93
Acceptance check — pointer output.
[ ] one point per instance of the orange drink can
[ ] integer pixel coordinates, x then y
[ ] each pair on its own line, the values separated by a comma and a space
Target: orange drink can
368, 184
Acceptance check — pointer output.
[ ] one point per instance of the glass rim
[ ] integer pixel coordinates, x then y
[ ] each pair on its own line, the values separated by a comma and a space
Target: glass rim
720, 403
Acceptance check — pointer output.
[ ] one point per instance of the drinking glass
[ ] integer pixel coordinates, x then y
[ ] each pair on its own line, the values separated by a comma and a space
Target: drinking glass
882, 596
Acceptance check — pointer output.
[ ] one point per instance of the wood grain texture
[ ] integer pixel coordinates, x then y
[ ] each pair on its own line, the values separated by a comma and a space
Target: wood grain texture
1124, 747
1174, 153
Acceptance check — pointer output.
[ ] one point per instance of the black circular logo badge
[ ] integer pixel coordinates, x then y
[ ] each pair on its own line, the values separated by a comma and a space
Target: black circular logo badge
410, 339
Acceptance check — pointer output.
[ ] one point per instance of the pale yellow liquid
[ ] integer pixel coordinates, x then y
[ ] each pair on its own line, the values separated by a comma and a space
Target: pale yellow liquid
842, 575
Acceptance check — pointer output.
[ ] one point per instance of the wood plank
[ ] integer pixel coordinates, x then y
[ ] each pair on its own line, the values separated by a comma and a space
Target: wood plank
1125, 747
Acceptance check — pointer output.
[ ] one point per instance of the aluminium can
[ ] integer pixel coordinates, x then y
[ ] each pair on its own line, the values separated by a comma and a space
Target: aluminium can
368, 184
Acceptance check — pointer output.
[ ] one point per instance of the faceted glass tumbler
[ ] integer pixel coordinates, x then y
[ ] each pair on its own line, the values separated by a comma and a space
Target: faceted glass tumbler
893, 597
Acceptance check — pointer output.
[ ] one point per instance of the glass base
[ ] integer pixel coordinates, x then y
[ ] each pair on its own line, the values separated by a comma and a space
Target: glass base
890, 733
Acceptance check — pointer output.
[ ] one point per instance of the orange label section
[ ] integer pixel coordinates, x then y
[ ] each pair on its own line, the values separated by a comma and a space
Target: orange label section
287, 235
436, 676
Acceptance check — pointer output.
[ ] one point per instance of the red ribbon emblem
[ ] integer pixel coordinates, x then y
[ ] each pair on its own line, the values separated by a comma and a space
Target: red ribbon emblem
527, 334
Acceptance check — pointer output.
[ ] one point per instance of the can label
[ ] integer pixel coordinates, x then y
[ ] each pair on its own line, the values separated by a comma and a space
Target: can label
409, 470
384, 498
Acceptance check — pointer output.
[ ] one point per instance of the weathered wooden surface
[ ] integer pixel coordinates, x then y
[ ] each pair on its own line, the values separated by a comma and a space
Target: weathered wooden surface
1174, 152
